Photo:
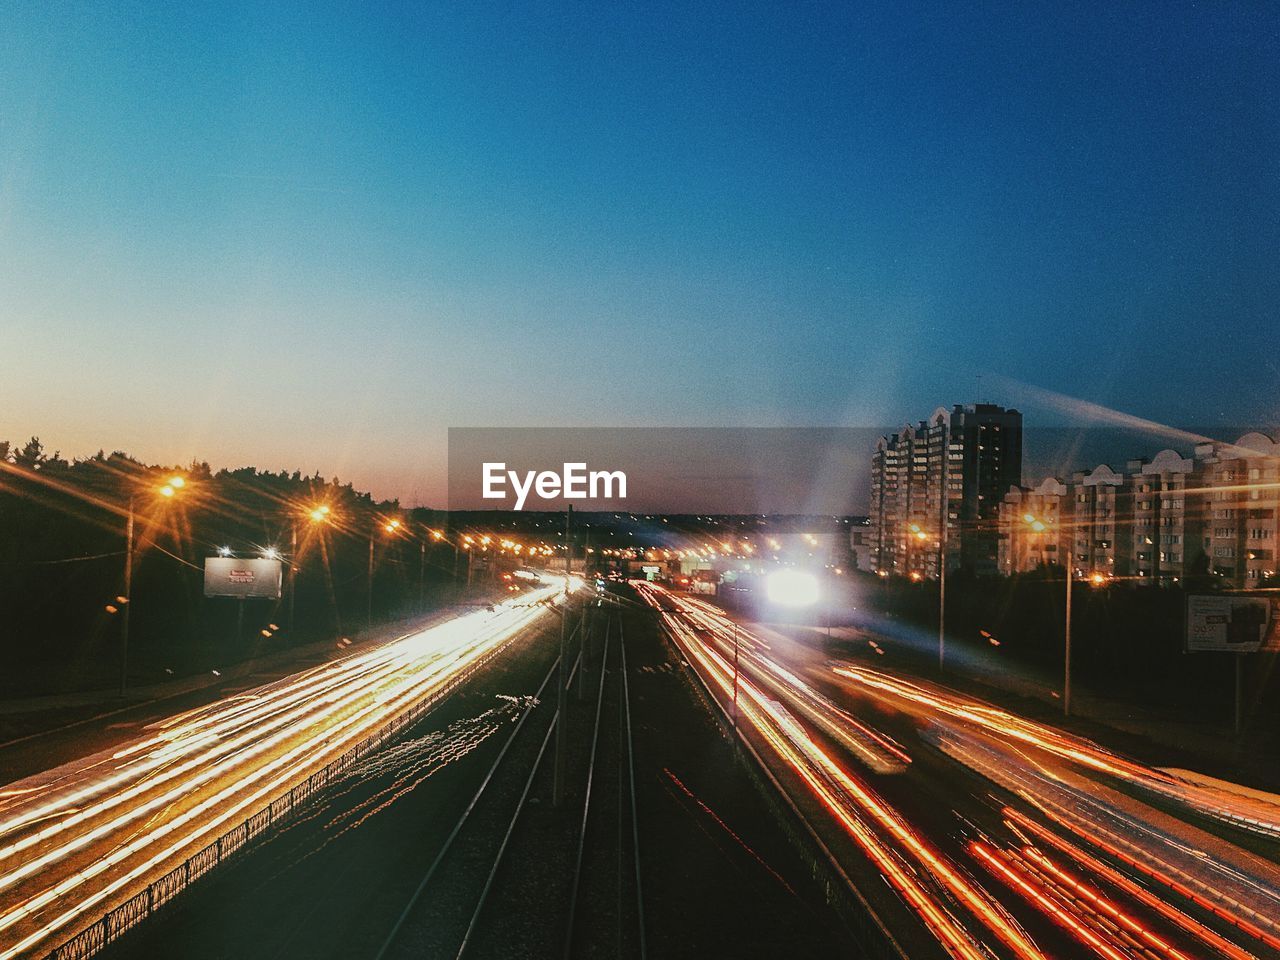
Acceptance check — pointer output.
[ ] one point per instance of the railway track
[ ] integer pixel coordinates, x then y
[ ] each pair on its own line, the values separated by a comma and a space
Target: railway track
518, 875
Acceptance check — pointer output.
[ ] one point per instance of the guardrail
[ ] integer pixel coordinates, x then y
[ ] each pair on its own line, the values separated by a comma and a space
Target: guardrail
241, 837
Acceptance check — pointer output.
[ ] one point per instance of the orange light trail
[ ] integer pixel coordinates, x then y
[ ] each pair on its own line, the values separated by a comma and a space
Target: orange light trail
1098, 868
849, 801
1102, 905
998, 866
1244, 812
215, 767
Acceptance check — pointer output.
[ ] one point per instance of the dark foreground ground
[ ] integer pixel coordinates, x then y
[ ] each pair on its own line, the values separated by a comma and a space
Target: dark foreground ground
718, 874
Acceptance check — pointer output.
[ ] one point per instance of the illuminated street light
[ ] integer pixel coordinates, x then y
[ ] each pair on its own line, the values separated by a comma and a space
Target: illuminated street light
390, 527
168, 490
320, 513
271, 553
224, 551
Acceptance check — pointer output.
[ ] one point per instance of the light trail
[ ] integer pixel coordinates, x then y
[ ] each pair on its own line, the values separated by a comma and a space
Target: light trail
1211, 938
1132, 837
876, 750
1104, 906
213, 768
1239, 810
1059, 775
1000, 867
854, 806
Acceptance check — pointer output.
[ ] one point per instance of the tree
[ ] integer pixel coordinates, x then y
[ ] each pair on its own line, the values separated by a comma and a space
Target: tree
31, 456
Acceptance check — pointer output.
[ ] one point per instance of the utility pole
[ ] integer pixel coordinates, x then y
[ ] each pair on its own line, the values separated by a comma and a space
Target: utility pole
944, 496
735, 686
293, 576
942, 600
582, 630
1066, 666
422, 576
368, 598
561, 738
128, 600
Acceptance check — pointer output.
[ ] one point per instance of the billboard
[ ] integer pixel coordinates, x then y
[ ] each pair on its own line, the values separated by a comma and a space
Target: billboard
229, 577
1231, 624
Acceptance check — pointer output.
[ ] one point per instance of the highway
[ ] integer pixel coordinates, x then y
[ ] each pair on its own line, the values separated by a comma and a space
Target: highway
129, 826
975, 833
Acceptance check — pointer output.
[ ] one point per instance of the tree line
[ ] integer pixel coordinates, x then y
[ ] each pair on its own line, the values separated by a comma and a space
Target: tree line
62, 565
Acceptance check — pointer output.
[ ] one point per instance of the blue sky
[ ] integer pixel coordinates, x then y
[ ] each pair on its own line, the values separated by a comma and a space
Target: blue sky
317, 237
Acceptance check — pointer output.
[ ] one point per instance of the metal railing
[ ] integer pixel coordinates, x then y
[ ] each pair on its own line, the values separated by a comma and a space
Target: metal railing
113, 924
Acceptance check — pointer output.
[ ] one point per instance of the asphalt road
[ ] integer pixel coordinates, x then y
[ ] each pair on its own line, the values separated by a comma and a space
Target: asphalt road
119, 829
717, 874
977, 833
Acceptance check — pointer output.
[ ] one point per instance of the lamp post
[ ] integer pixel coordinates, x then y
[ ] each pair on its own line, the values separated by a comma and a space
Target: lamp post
422, 575
1039, 526
317, 514
168, 490
557, 781
942, 598
1066, 649
918, 534
390, 527
735, 684
128, 599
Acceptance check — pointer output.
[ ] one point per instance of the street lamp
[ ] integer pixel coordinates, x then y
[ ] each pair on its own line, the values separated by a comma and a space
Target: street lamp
735, 684
320, 513
390, 528
1039, 526
168, 490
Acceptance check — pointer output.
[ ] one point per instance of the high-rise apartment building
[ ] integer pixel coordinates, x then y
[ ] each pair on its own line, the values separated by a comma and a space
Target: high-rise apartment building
936, 489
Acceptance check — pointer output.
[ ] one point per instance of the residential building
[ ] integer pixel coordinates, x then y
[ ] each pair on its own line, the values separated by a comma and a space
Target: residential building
936, 489
1035, 527
1159, 521
862, 545
1240, 487
1166, 536
1101, 523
